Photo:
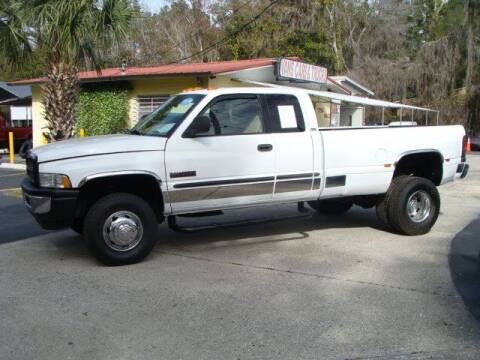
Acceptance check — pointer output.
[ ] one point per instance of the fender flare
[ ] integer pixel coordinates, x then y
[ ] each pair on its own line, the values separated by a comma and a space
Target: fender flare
100, 175
418, 151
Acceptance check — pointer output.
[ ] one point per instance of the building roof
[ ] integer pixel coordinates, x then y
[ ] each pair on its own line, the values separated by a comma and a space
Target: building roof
18, 92
210, 68
346, 81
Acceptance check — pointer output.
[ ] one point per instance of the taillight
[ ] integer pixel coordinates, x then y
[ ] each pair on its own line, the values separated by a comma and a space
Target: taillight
464, 148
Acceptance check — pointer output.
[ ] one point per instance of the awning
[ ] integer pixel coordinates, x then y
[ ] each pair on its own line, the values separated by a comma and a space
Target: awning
347, 98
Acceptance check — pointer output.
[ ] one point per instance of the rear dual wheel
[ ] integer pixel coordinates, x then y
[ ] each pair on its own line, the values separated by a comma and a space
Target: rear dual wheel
411, 205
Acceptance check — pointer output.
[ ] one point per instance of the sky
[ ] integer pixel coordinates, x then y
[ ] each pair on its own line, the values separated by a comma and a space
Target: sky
153, 5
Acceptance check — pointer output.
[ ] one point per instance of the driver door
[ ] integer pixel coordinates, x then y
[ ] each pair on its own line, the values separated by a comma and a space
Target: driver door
232, 164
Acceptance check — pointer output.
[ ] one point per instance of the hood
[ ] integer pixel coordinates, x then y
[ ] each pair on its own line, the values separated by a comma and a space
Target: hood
98, 145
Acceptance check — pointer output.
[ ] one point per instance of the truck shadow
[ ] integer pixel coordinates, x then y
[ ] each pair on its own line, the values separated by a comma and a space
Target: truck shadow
464, 262
234, 229
17, 224
261, 228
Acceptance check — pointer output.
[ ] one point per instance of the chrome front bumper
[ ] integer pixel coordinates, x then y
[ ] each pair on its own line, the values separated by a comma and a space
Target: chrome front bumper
37, 204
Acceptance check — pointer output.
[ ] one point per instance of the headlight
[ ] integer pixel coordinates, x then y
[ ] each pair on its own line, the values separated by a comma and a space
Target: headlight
54, 181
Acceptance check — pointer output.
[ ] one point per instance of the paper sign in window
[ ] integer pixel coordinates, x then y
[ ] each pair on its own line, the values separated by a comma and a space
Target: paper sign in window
287, 116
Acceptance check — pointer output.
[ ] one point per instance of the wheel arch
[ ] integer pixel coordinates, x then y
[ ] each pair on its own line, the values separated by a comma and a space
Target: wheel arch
426, 163
144, 184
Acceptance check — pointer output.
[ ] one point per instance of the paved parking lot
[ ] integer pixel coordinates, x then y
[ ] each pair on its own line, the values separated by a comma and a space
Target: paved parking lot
283, 285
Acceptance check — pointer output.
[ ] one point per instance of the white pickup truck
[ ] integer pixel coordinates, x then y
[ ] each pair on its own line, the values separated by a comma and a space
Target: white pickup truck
205, 151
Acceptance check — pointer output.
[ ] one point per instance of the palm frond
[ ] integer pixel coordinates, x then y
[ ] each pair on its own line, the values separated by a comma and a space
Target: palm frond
72, 29
114, 19
14, 35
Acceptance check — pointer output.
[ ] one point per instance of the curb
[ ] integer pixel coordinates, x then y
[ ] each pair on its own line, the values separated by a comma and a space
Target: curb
13, 166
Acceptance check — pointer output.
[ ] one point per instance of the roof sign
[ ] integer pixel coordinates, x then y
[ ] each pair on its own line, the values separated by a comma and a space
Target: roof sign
295, 70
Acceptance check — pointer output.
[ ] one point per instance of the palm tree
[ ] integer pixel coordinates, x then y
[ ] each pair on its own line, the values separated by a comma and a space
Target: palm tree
13, 39
70, 35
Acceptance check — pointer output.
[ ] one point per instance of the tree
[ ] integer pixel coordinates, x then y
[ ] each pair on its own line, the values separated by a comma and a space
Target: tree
13, 39
70, 35
472, 77
424, 51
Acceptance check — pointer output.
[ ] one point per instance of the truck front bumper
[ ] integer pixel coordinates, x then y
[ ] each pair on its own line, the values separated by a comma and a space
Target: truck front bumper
52, 208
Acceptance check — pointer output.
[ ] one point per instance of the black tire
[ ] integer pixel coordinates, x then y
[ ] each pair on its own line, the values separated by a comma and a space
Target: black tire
26, 146
382, 214
382, 206
420, 191
132, 208
331, 206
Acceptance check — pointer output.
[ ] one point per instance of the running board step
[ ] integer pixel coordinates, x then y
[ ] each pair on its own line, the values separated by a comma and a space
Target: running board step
202, 214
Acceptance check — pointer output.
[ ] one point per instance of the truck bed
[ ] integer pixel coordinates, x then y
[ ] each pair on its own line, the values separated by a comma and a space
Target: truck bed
359, 153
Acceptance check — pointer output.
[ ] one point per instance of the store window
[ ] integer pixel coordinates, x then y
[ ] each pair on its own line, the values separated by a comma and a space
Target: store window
334, 114
147, 104
21, 116
322, 110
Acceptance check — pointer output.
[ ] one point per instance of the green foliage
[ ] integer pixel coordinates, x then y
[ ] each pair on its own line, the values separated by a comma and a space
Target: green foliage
312, 47
14, 41
102, 110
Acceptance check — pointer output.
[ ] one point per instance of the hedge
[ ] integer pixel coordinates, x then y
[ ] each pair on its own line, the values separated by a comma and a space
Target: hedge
102, 109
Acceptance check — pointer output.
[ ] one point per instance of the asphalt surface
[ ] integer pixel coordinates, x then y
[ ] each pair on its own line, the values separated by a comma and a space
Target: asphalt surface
15, 221
269, 283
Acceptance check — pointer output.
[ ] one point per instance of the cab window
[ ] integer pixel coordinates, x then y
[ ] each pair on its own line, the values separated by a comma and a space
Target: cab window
234, 115
285, 113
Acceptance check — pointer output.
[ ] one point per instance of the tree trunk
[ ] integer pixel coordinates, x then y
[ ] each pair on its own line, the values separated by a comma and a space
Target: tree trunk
340, 65
60, 97
472, 78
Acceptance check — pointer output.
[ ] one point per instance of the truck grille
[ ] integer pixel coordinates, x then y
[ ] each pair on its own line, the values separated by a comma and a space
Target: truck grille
32, 167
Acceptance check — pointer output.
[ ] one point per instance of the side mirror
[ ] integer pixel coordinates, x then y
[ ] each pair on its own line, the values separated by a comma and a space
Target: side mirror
199, 125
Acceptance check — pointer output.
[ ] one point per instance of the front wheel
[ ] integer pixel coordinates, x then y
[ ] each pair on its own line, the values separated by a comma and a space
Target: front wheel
413, 205
121, 229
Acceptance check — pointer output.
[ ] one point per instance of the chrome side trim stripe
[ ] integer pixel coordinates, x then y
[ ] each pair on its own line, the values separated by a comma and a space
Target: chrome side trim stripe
222, 182
221, 189
221, 192
297, 176
335, 181
293, 185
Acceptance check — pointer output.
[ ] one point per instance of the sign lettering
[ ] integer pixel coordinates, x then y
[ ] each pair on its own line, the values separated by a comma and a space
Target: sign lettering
296, 70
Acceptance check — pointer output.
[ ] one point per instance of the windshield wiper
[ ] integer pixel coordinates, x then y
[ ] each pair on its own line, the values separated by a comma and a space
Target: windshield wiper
134, 132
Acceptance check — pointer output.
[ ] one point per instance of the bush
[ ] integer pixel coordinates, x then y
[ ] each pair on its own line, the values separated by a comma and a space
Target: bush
102, 109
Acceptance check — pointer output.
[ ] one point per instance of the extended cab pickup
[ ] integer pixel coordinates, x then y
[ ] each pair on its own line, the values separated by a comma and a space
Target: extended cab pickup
205, 151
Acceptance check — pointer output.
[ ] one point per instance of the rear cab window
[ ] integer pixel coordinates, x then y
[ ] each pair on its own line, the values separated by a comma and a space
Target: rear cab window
285, 113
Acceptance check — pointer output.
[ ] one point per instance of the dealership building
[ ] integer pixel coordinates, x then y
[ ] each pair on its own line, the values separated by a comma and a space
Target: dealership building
148, 87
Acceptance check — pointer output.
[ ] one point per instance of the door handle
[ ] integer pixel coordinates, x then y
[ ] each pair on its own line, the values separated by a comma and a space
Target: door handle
265, 147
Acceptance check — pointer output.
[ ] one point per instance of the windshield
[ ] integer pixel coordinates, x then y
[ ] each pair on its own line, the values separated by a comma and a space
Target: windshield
164, 120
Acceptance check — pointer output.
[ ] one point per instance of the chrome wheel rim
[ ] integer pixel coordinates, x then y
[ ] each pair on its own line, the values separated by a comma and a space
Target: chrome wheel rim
419, 206
122, 231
